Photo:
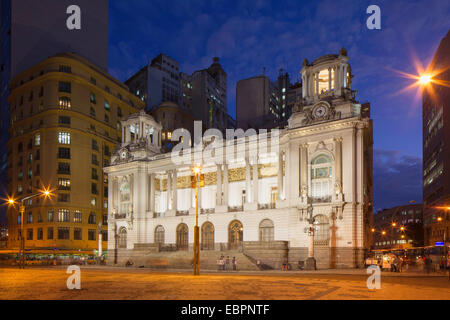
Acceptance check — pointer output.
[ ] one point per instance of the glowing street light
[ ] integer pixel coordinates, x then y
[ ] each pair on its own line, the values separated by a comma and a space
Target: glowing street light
424, 79
46, 192
383, 233
394, 224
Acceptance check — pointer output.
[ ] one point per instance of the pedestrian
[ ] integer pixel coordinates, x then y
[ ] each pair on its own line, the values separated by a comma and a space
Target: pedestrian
258, 263
428, 262
285, 263
399, 264
234, 264
227, 263
222, 262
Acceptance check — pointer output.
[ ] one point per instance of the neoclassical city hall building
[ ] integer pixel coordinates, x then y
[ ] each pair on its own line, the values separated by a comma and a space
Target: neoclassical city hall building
304, 191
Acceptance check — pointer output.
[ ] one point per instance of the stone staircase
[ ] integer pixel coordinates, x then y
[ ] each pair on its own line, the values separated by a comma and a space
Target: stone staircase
184, 259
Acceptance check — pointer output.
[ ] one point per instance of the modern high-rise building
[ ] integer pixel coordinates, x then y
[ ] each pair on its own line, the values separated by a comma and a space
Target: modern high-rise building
257, 102
261, 103
157, 82
436, 150
65, 124
32, 31
399, 227
209, 96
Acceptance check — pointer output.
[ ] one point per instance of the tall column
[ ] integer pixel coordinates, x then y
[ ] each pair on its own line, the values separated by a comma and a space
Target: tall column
160, 193
311, 241
317, 83
127, 134
110, 195
304, 170
175, 190
280, 176
344, 76
247, 181
338, 165
304, 86
225, 185
255, 181
169, 190
329, 79
219, 185
152, 192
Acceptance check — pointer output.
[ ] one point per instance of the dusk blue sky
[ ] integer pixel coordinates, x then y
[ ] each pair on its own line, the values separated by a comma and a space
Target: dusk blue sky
250, 35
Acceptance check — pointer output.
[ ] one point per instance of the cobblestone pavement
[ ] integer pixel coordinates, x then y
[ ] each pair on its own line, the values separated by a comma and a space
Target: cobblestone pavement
117, 283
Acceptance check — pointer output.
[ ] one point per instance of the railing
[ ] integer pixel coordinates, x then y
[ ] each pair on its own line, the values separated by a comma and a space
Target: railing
236, 209
120, 216
326, 199
182, 213
206, 211
265, 206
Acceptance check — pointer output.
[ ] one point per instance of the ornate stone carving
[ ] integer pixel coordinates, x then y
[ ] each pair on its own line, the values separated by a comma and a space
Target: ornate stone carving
328, 113
337, 187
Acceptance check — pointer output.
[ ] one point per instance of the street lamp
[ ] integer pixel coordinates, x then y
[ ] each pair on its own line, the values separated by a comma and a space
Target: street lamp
11, 201
196, 182
311, 261
424, 79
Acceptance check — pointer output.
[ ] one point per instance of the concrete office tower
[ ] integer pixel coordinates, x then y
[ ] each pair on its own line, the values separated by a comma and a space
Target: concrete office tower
65, 124
209, 96
32, 31
256, 103
157, 82
436, 149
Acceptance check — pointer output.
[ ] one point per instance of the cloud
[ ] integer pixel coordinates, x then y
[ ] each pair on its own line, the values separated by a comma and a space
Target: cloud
397, 178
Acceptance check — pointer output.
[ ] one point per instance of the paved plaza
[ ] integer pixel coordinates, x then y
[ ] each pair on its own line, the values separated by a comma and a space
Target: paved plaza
138, 284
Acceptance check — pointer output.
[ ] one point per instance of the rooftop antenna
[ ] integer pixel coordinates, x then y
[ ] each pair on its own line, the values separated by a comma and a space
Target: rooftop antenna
264, 71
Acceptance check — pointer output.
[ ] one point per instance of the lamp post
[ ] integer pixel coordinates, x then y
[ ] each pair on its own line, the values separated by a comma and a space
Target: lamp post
196, 228
311, 261
100, 239
46, 193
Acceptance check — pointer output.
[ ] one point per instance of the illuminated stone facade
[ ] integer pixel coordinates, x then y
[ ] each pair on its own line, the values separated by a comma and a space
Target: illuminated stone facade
257, 204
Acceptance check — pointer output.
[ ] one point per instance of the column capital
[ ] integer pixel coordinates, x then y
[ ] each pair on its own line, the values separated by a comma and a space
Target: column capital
304, 145
338, 139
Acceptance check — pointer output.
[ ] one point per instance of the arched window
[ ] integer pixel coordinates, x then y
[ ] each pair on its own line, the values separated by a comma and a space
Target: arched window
122, 238
321, 230
159, 235
65, 102
125, 198
207, 236
321, 178
182, 237
266, 230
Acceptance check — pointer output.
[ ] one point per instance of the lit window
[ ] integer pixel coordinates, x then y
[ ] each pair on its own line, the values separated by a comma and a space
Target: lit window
64, 137
65, 103
63, 184
37, 139
106, 105
77, 217
63, 215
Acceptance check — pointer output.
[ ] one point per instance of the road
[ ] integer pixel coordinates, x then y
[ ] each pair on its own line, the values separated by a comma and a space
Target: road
106, 283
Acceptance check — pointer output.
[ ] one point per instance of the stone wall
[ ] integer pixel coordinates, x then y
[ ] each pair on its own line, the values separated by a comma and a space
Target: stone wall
271, 253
